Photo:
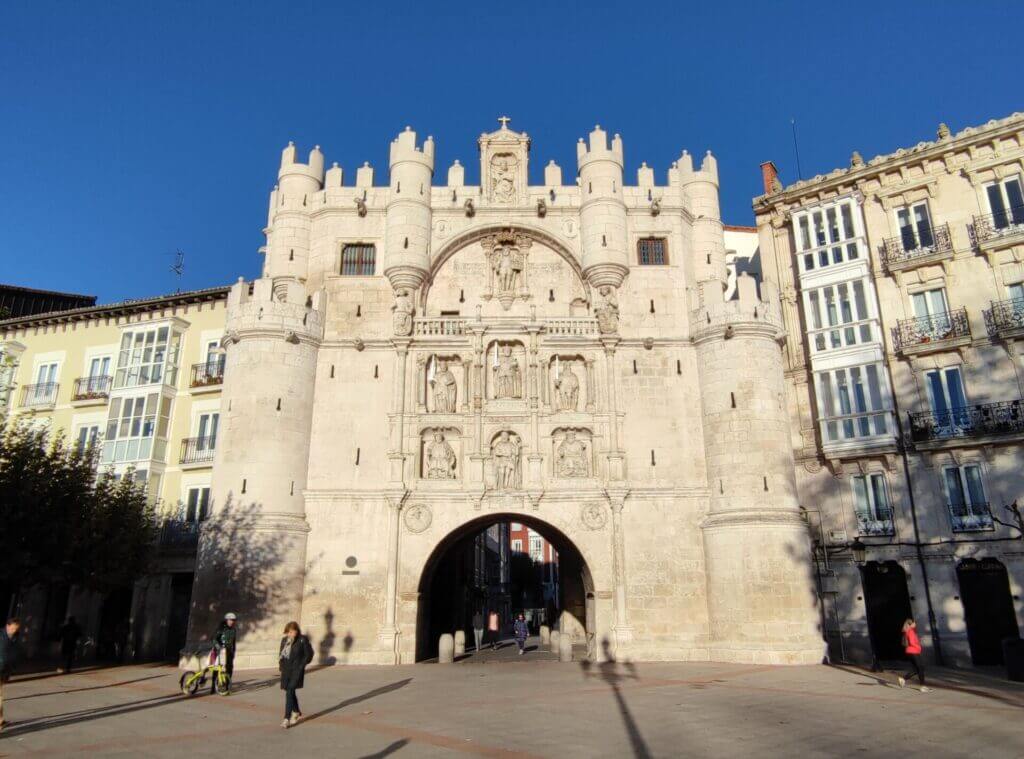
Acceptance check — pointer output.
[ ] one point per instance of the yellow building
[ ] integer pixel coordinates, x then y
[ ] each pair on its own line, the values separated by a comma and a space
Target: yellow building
142, 379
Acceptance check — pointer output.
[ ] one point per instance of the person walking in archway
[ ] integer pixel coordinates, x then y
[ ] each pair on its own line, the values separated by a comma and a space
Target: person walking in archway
912, 647
493, 627
478, 628
69, 634
296, 652
521, 631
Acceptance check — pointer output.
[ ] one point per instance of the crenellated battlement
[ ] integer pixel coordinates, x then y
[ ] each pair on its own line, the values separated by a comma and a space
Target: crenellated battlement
708, 171
292, 167
750, 312
404, 148
278, 305
598, 149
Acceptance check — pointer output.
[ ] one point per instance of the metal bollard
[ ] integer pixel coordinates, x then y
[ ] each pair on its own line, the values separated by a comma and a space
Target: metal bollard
460, 642
565, 648
446, 649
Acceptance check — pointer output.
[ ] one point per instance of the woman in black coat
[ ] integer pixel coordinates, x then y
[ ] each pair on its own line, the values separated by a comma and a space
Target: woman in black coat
296, 653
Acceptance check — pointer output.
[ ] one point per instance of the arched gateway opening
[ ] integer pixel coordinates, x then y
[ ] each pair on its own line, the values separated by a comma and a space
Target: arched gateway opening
488, 565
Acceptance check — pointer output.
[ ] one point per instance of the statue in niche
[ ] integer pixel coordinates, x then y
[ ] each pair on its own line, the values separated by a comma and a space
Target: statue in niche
608, 312
508, 264
440, 459
403, 313
567, 387
444, 389
571, 457
505, 453
508, 379
503, 178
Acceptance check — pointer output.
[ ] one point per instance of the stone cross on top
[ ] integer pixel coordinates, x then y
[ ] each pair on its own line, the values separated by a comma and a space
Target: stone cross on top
503, 120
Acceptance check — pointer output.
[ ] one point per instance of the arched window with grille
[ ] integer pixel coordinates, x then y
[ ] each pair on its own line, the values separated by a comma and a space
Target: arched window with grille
358, 260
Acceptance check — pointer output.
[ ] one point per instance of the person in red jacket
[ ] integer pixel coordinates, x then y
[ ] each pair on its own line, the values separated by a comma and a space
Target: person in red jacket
912, 647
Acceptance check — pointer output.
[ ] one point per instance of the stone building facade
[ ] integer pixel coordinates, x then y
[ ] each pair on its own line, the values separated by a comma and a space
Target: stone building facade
140, 380
902, 282
421, 359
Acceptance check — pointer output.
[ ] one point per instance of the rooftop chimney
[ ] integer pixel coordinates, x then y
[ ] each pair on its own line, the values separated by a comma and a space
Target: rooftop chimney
770, 177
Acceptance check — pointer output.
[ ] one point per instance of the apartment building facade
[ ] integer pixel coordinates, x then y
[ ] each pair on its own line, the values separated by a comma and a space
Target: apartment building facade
902, 281
141, 380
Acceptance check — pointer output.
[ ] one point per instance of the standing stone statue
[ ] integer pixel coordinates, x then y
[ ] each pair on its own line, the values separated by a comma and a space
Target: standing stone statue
507, 264
444, 389
567, 385
508, 379
608, 312
505, 453
440, 459
571, 457
403, 313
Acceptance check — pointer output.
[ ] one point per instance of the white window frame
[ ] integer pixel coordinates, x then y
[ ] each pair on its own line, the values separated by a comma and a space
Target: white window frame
874, 420
145, 362
827, 331
842, 234
870, 520
915, 225
517, 545
977, 515
200, 511
1012, 218
89, 434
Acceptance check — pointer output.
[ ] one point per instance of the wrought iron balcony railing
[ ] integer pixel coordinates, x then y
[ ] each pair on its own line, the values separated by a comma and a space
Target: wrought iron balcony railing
40, 395
966, 517
208, 373
88, 388
909, 334
177, 533
197, 450
982, 420
992, 226
1005, 316
916, 246
880, 525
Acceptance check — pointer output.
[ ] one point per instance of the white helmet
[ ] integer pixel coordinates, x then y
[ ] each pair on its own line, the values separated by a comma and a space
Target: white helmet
230, 615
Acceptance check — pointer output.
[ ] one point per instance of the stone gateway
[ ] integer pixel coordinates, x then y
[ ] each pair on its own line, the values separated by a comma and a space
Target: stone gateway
420, 360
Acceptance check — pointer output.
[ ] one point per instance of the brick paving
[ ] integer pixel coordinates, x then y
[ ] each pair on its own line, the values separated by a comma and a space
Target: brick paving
520, 707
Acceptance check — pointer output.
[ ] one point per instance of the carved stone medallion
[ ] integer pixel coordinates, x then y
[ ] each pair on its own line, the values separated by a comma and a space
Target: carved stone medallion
418, 518
593, 516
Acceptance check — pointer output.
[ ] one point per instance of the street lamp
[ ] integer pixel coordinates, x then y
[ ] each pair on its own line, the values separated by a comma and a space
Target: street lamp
859, 551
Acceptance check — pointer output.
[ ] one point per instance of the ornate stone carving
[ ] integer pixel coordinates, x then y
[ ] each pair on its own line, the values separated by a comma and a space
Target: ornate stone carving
507, 254
506, 454
403, 309
418, 518
508, 377
567, 387
593, 516
503, 177
571, 458
608, 311
439, 459
444, 389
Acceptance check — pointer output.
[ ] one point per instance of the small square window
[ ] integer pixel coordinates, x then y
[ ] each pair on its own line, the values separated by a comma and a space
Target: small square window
358, 260
652, 251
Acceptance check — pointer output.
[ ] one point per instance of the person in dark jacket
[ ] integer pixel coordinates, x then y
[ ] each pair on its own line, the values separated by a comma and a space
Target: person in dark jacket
521, 631
227, 637
9, 651
69, 634
296, 653
478, 629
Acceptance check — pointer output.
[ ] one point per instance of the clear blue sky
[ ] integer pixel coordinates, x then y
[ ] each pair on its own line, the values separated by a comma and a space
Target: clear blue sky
131, 129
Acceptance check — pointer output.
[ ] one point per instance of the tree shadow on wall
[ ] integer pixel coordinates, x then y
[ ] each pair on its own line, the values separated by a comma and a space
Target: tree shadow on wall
245, 566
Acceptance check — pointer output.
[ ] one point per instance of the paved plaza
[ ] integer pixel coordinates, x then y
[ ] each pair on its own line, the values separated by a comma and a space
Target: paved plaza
501, 705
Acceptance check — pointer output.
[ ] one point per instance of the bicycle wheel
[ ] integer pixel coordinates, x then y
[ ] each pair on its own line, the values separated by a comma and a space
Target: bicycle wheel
223, 683
189, 682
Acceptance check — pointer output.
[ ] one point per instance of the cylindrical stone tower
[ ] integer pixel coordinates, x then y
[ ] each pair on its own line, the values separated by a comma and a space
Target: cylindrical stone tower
700, 190
287, 249
252, 551
762, 604
407, 231
602, 210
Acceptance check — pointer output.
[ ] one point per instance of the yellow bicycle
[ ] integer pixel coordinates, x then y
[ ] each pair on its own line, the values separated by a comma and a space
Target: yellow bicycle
215, 670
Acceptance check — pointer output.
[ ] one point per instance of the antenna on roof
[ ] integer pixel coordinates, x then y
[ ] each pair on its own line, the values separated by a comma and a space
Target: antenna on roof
796, 150
178, 267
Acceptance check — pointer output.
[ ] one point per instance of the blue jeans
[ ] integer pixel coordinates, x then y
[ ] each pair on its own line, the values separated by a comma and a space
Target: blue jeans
291, 703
